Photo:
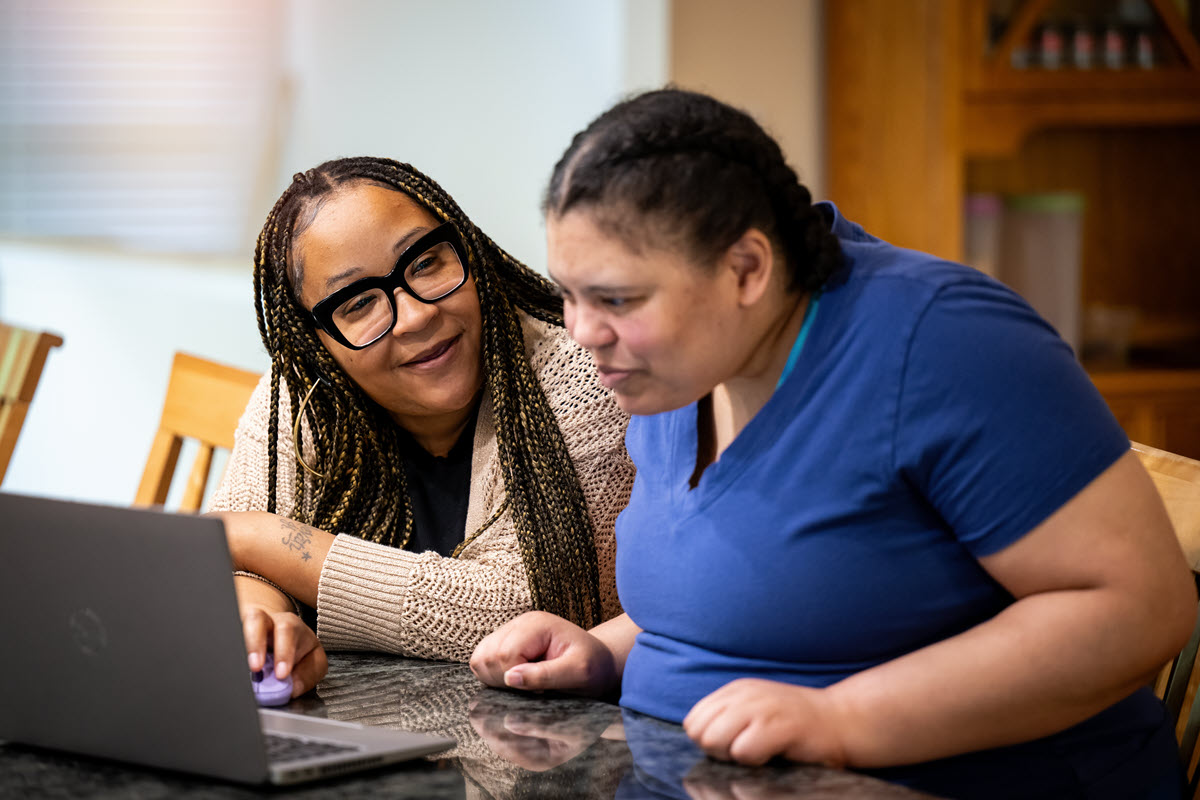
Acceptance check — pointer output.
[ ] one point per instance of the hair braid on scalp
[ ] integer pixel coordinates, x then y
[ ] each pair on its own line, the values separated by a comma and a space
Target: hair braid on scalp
526, 289
357, 446
260, 261
678, 163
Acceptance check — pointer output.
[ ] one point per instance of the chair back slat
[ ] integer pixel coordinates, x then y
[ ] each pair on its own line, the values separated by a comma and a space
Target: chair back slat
1177, 479
12, 345
160, 468
1175, 691
22, 356
193, 492
203, 403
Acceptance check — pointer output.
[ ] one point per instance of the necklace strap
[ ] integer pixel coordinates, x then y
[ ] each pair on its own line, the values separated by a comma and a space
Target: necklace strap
810, 314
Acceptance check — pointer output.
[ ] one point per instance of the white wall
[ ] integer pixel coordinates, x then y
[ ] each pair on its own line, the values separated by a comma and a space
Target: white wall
121, 316
482, 96
767, 57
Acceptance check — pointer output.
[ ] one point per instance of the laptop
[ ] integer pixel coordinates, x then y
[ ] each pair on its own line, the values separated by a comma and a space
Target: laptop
122, 639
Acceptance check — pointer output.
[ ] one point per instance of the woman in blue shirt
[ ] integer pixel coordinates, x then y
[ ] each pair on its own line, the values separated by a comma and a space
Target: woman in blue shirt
881, 516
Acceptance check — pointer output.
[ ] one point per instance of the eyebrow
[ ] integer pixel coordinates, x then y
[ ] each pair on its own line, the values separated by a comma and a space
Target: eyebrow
398, 248
606, 289
593, 289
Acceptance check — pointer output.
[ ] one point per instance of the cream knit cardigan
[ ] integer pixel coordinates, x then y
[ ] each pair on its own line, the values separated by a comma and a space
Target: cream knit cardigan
375, 597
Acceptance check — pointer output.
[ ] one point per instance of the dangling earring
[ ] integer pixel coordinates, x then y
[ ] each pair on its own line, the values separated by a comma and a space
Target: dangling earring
296, 431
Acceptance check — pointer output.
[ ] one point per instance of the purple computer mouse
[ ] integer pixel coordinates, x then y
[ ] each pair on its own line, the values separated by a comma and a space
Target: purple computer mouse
269, 690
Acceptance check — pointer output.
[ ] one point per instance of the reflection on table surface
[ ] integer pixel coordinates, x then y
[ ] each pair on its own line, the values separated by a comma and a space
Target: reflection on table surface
509, 745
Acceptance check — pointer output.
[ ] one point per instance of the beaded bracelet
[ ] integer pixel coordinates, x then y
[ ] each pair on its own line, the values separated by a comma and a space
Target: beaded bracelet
273, 585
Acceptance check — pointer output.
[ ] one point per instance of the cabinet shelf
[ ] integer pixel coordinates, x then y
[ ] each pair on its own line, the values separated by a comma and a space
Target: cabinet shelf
924, 107
997, 123
1003, 105
1064, 83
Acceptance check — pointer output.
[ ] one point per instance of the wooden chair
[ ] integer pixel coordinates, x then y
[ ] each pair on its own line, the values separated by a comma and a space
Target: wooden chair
1178, 481
204, 401
22, 356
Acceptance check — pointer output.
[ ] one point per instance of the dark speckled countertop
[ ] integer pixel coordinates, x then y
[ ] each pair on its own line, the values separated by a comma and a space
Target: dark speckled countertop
510, 745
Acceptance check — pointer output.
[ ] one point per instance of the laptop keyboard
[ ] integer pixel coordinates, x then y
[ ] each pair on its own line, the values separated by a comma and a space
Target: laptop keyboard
282, 749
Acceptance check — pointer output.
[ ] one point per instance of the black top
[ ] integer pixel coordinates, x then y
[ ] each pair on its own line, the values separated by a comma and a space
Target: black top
439, 488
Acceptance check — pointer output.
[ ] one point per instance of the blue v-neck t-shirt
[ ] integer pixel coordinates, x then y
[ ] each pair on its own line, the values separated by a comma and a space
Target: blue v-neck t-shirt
930, 418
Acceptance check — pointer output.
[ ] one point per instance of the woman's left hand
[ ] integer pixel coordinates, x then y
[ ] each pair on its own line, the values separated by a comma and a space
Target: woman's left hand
752, 720
522, 738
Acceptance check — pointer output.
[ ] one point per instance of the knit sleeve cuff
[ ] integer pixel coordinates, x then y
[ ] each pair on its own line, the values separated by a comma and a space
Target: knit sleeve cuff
361, 596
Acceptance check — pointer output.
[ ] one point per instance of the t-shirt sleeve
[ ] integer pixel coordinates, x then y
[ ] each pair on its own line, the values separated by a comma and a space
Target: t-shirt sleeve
998, 425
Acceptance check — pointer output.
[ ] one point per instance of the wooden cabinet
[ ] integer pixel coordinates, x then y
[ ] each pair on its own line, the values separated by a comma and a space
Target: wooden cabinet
1160, 408
928, 102
915, 96
1002, 105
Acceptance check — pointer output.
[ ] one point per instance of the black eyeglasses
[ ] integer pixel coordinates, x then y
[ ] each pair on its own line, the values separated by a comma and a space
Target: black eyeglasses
432, 268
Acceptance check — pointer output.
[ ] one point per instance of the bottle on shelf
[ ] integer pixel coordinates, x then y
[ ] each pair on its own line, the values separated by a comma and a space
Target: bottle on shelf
1039, 256
1083, 46
1114, 46
1144, 48
1050, 46
1020, 58
981, 232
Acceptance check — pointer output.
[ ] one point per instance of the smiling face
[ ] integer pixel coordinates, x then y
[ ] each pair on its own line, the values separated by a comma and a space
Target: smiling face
429, 368
663, 331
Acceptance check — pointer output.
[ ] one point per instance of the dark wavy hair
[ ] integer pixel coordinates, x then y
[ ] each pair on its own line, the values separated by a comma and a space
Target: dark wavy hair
694, 172
362, 488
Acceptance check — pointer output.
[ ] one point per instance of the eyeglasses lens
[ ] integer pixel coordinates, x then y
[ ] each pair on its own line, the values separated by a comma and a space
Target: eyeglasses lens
365, 317
434, 273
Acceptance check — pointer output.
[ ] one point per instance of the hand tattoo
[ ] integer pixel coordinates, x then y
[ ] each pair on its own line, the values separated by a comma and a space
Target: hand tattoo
298, 537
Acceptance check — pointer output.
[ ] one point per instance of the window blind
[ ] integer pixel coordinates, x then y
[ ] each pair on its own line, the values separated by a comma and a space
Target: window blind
148, 123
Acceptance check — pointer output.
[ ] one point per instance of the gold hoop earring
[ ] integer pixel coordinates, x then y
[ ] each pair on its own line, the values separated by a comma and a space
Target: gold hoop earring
296, 431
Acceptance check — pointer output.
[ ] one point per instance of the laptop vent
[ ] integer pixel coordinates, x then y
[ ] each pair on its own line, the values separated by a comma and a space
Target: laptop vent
350, 766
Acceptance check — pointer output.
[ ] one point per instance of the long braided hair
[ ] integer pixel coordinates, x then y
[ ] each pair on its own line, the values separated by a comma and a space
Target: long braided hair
360, 486
693, 171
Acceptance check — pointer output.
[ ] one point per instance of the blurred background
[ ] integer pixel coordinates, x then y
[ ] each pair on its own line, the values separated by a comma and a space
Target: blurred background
143, 141
1054, 144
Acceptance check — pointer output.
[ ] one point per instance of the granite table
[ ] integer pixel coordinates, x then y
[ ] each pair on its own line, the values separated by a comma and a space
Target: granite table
509, 745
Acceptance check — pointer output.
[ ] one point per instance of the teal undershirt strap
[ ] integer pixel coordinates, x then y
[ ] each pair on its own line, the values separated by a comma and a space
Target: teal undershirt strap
810, 314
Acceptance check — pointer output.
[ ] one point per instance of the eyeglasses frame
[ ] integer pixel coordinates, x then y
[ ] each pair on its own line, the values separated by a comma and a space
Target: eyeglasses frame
446, 233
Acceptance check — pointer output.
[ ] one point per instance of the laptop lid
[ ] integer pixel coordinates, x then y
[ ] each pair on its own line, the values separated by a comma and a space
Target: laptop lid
123, 640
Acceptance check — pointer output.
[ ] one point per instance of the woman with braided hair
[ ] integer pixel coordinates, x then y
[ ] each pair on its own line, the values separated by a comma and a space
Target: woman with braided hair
881, 516
430, 454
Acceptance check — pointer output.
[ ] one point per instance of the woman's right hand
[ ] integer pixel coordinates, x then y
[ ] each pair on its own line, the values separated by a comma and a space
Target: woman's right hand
297, 650
539, 651
269, 623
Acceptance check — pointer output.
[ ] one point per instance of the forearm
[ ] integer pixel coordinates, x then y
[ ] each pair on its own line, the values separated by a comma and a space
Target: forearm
1047, 662
375, 597
618, 635
284, 551
1105, 598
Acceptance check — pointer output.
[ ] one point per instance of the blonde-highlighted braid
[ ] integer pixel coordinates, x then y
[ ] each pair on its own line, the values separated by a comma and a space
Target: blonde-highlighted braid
356, 445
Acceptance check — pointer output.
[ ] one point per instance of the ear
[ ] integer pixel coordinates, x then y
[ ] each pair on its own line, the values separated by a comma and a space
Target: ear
750, 262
